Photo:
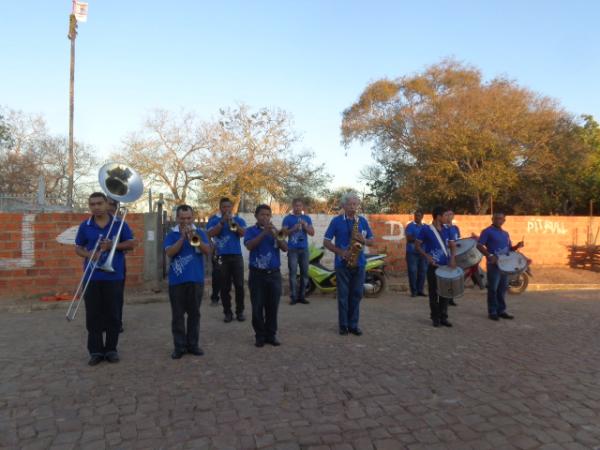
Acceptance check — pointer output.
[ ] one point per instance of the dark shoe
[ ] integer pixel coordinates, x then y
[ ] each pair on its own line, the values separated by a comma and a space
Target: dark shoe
177, 354
214, 303
436, 323
293, 302
452, 303
493, 317
304, 301
343, 331
196, 351
355, 331
274, 342
446, 323
241, 317
95, 360
413, 295
421, 294
112, 357
259, 343
505, 315
121, 330
228, 318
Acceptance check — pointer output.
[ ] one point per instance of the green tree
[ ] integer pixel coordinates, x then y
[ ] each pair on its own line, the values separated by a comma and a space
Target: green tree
446, 135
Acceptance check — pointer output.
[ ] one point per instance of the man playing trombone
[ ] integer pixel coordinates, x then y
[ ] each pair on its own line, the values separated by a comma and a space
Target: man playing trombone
104, 292
186, 246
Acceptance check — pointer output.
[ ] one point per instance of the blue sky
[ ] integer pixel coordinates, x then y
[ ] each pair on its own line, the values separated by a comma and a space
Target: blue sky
311, 58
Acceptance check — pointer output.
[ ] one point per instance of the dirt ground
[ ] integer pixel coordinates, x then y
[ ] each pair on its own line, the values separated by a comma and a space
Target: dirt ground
563, 275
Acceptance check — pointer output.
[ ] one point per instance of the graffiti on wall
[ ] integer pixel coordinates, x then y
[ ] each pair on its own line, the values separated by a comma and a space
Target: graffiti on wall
545, 227
396, 231
27, 258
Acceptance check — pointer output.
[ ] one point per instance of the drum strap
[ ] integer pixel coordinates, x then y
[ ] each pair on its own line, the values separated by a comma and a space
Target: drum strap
439, 238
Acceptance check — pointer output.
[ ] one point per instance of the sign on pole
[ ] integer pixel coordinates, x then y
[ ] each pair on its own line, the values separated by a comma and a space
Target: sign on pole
80, 9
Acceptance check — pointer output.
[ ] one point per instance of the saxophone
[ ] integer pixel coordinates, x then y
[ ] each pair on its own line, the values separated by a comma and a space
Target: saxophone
356, 246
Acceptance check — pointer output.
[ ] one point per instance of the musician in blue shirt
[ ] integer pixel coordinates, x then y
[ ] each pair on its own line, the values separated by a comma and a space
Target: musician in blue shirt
494, 241
454, 235
350, 277
415, 262
436, 245
264, 278
226, 230
104, 292
298, 227
186, 246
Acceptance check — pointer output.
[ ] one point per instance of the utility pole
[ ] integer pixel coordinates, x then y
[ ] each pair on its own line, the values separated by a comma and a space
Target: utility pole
71, 157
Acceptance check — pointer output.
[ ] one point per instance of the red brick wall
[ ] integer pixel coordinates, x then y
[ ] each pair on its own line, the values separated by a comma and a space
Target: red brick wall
546, 238
48, 267
51, 267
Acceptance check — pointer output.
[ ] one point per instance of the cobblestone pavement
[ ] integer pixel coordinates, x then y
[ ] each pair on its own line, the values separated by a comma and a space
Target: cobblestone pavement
529, 383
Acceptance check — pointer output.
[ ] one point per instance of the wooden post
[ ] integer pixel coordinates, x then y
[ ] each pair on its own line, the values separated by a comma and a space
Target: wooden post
71, 157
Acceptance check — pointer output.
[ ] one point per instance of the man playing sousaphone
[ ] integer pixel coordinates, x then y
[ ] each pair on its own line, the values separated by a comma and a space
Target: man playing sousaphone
105, 290
346, 236
495, 241
186, 246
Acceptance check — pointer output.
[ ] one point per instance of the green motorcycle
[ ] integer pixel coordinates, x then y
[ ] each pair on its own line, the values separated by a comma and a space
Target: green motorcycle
323, 278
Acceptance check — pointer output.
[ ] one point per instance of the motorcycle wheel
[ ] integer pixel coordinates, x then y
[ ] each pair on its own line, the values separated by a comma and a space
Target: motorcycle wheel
377, 279
519, 284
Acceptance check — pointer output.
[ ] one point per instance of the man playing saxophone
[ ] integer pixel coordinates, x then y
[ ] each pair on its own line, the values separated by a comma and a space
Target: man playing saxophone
346, 236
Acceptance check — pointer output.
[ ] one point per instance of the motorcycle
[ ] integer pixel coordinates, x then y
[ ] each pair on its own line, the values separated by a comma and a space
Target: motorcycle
517, 283
323, 278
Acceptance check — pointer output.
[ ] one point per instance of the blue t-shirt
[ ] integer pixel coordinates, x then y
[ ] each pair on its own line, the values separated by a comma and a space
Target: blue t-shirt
431, 244
87, 236
454, 232
226, 242
496, 240
187, 266
413, 229
340, 229
265, 255
299, 238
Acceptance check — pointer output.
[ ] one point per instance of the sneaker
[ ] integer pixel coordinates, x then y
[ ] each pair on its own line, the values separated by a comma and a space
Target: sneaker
228, 317
112, 357
505, 315
343, 331
240, 317
95, 360
493, 317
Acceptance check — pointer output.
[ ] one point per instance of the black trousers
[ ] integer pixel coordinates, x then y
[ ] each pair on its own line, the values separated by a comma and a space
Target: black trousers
103, 314
216, 279
437, 305
232, 269
265, 293
185, 299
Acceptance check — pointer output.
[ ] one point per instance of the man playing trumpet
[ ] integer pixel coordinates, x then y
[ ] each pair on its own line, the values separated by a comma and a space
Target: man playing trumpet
186, 246
298, 226
264, 243
226, 232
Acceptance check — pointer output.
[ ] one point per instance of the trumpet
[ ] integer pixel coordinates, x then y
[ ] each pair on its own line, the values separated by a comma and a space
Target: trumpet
193, 237
279, 235
233, 226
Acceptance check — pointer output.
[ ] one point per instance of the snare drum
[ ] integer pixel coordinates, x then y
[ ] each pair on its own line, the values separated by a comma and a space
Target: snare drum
450, 282
467, 254
512, 264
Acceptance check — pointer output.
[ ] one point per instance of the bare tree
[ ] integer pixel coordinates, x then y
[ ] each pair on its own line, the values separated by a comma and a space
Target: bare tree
168, 152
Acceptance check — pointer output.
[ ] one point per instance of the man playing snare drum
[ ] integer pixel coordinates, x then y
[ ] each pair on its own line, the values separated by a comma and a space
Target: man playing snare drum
494, 241
437, 245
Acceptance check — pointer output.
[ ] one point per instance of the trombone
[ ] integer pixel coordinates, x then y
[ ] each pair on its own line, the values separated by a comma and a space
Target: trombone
122, 184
